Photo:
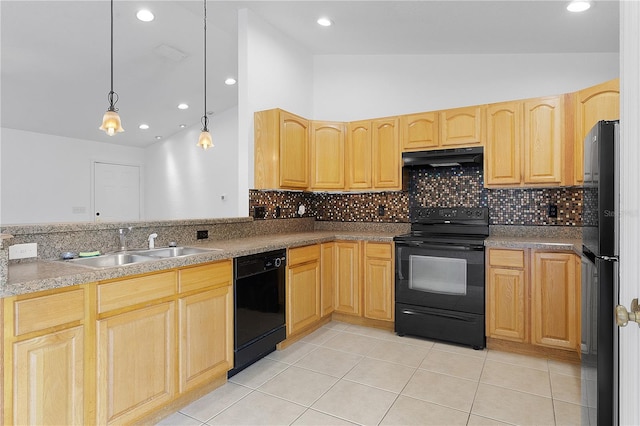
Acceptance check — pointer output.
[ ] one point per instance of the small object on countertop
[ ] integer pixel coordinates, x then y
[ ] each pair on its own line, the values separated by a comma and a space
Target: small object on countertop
152, 240
89, 253
69, 255
173, 244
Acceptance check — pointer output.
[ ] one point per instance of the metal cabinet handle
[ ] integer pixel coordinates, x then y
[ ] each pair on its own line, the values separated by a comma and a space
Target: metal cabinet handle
623, 316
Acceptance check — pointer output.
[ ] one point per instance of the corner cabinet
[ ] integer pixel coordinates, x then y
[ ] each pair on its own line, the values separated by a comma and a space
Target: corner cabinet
281, 150
303, 288
533, 297
600, 102
327, 278
379, 284
327, 155
348, 281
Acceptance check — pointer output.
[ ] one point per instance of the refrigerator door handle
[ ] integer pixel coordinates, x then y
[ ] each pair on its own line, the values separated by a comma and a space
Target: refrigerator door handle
623, 316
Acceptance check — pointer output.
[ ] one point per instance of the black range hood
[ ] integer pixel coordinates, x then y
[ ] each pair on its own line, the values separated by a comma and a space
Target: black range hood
443, 157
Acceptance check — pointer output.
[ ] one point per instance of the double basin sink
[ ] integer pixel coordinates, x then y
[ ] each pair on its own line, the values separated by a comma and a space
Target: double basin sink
138, 256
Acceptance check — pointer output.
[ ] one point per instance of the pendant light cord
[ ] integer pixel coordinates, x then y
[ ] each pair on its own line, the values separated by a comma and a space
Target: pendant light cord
205, 119
112, 101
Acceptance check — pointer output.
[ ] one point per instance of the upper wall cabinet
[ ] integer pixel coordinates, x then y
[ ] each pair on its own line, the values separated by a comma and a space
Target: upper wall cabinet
601, 102
281, 150
525, 143
461, 126
386, 154
327, 155
359, 155
420, 131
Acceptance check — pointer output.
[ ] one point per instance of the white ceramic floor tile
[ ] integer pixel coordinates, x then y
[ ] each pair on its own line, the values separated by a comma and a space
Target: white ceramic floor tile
355, 402
570, 414
518, 359
258, 408
459, 349
336, 325
409, 411
381, 374
293, 353
299, 385
513, 407
316, 418
214, 402
566, 368
399, 353
329, 361
258, 373
516, 377
453, 364
378, 333
178, 419
566, 388
442, 389
410, 340
320, 336
483, 421
354, 343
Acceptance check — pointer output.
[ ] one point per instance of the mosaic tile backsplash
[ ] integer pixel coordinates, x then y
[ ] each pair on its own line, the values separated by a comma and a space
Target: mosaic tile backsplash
428, 187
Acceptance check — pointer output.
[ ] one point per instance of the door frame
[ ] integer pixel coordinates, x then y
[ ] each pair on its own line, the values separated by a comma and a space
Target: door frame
92, 189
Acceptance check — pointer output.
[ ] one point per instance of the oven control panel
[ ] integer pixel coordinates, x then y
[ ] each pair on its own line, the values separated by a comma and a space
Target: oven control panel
449, 213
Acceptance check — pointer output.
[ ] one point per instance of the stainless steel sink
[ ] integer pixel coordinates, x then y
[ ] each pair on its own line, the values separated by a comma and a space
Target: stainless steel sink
111, 260
174, 251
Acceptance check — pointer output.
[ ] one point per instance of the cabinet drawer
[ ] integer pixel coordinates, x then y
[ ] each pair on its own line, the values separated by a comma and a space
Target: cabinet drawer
40, 313
303, 254
129, 292
212, 275
506, 258
379, 250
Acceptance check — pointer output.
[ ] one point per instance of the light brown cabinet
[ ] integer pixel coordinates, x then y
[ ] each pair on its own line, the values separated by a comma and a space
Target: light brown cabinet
327, 278
281, 150
303, 288
378, 281
600, 102
461, 126
420, 131
327, 155
533, 297
359, 155
387, 163
526, 143
348, 278
44, 359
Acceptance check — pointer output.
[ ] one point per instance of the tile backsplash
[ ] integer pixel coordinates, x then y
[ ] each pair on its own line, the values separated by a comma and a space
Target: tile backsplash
429, 187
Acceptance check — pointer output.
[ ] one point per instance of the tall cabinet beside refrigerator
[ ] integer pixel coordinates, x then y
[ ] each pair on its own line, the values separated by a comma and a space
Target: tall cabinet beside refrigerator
599, 343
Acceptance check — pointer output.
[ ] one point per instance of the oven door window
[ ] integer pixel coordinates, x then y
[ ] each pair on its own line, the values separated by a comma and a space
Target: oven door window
440, 275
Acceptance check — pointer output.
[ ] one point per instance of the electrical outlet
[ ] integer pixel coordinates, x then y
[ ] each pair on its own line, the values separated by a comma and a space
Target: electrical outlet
23, 251
380, 210
278, 211
202, 235
553, 210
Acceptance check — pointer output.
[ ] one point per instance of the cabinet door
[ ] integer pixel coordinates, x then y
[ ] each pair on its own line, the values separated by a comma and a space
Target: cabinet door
327, 278
378, 281
348, 277
543, 141
461, 126
294, 151
303, 296
359, 155
135, 363
386, 154
554, 302
327, 155
506, 304
502, 157
601, 102
206, 336
49, 379
419, 131
266, 150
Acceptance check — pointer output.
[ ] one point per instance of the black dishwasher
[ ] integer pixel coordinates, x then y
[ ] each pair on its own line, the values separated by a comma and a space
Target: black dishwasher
259, 283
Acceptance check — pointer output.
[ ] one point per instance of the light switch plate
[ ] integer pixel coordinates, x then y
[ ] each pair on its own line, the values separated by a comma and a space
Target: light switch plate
23, 251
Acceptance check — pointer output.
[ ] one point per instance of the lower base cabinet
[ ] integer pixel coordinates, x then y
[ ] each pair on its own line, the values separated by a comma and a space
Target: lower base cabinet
379, 284
303, 288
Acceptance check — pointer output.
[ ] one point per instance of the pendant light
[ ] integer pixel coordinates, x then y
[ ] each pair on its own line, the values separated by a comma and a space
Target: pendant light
111, 120
205, 141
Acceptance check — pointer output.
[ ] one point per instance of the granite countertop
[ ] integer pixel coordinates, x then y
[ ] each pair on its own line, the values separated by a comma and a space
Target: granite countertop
536, 242
29, 277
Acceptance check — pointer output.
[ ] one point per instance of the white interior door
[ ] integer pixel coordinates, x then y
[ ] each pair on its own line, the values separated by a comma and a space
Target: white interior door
116, 192
630, 207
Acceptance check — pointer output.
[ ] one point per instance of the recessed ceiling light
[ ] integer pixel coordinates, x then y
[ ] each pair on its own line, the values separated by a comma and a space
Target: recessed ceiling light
158, 137
183, 106
145, 15
325, 22
578, 6
143, 126
182, 126
230, 81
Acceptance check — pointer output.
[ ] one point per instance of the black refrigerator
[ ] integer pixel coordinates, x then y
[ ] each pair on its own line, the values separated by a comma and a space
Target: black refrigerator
600, 249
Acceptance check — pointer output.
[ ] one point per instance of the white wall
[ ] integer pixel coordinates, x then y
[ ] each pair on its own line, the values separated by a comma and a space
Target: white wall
46, 177
184, 182
274, 72
350, 87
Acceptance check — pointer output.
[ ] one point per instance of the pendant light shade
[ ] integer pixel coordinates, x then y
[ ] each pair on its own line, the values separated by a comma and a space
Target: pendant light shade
204, 141
111, 120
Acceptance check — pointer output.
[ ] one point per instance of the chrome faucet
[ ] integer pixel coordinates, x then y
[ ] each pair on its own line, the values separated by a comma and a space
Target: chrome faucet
122, 233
